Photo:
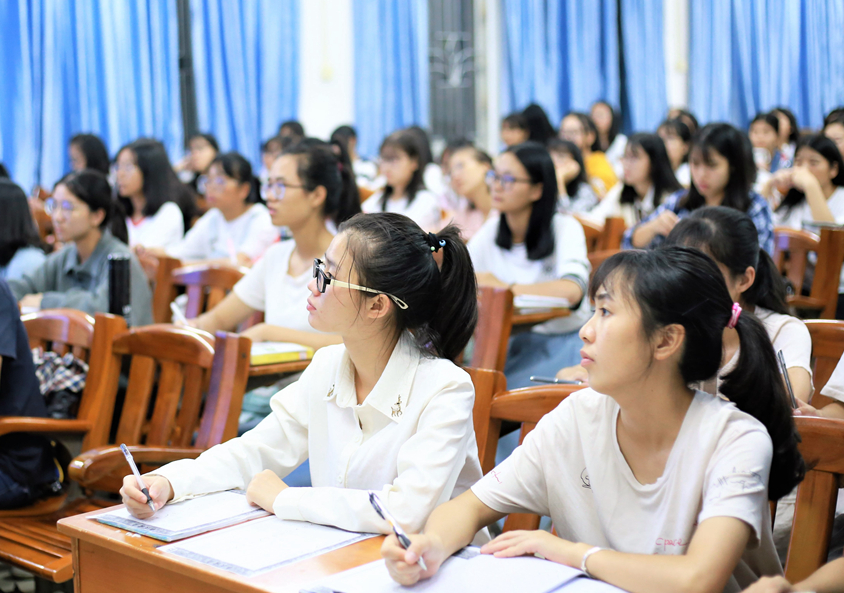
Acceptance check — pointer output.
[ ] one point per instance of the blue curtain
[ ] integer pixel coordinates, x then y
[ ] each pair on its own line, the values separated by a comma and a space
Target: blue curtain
246, 65
104, 66
751, 55
644, 64
562, 55
391, 68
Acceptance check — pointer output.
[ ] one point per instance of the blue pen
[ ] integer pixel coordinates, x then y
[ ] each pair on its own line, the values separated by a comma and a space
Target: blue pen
135, 471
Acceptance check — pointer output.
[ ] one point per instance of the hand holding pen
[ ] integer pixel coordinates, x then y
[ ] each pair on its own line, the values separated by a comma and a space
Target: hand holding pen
404, 541
142, 495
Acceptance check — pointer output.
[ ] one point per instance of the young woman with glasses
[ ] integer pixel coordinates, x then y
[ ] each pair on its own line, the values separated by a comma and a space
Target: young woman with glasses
387, 410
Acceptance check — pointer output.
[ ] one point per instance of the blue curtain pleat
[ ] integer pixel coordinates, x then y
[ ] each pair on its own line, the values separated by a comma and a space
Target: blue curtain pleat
748, 56
644, 63
391, 75
104, 66
246, 69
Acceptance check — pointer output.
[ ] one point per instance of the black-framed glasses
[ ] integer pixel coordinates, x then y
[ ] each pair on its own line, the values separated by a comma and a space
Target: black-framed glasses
52, 206
275, 188
505, 181
323, 280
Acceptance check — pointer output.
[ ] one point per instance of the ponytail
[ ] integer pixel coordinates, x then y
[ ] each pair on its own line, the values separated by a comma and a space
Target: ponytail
431, 273
763, 396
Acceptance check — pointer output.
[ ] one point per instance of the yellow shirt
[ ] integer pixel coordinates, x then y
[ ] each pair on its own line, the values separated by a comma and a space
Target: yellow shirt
600, 173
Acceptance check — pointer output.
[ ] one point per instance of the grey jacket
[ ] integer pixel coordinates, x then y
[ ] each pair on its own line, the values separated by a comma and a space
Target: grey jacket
65, 282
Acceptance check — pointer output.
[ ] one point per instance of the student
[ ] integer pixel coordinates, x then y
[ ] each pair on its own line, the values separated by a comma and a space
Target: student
833, 128
237, 230
610, 140
292, 131
305, 193
833, 389
20, 245
514, 129
385, 411
651, 486
202, 150
405, 192
158, 207
533, 250
789, 134
648, 179
76, 277
827, 579
576, 194
538, 125
27, 470
580, 129
678, 141
87, 151
764, 135
365, 171
722, 175
468, 169
270, 151
431, 172
686, 116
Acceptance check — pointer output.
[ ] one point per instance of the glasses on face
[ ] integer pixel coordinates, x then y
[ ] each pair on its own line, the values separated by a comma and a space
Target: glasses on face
323, 280
125, 167
275, 188
506, 181
52, 206
203, 181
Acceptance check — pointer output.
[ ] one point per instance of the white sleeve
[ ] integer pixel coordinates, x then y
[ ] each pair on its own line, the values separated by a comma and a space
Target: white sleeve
736, 481
196, 244
570, 261
252, 288
796, 344
480, 245
425, 211
260, 236
167, 228
607, 207
428, 463
372, 203
834, 388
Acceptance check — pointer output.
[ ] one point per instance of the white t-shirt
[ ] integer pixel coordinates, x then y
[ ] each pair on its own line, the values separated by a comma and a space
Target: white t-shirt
424, 210
611, 206
214, 237
571, 468
163, 229
615, 152
684, 175
512, 266
834, 388
269, 288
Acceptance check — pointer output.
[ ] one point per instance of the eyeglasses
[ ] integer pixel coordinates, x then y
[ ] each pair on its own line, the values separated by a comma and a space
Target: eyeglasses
52, 205
203, 181
276, 189
323, 280
125, 168
506, 181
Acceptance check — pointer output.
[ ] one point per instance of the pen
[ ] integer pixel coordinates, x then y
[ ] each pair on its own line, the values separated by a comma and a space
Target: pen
400, 534
554, 380
135, 471
784, 371
178, 316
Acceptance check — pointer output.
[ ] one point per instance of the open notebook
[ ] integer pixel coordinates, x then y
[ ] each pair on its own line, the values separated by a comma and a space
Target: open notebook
277, 352
535, 302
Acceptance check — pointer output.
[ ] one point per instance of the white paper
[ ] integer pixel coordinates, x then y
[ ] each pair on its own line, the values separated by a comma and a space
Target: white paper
264, 544
586, 585
535, 301
188, 517
259, 348
525, 574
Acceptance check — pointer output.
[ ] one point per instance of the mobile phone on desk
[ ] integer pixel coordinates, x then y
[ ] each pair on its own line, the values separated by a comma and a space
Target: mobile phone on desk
554, 380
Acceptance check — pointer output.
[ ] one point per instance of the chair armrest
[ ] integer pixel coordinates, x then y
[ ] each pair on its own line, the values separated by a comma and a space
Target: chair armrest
91, 467
10, 424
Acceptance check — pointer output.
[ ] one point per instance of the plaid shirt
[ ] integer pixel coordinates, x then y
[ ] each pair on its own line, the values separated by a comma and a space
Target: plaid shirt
759, 212
57, 373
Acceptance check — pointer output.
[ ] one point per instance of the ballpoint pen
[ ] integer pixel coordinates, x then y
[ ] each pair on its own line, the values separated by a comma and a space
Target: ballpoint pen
784, 371
135, 471
400, 534
178, 316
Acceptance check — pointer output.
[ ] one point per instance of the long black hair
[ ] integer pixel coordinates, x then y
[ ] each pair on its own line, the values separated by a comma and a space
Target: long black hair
794, 133
426, 155
734, 146
731, 239
662, 175
391, 253
539, 240
236, 167
678, 128
93, 188
769, 118
17, 227
538, 125
828, 150
319, 166
557, 145
615, 126
683, 286
161, 185
405, 141
94, 150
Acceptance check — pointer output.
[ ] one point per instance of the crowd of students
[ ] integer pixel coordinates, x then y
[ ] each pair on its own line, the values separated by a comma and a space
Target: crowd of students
683, 432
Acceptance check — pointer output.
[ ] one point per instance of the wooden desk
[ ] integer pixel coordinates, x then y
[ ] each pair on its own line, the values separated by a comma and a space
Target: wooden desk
531, 317
279, 368
108, 559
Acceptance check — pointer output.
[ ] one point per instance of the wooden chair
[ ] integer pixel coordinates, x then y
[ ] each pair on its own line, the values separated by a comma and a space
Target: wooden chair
526, 406
829, 248
827, 350
495, 322
613, 233
177, 426
594, 234
206, 285
822, 447
487, 384
598, 257
164, 291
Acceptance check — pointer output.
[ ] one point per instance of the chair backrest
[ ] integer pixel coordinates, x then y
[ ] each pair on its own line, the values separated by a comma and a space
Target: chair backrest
594, 234
791, 253
822, 447
164, 290
614, 228
596, 258
487, 384
43, 221
61, 331
827, 350
206, 285
495, 322
526, 406
828, 271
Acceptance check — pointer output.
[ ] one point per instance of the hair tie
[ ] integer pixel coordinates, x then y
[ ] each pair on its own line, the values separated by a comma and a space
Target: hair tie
735, 316
339, 166
434, 243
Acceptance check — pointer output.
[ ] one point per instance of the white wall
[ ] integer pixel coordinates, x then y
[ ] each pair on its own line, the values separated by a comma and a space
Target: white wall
326, 67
